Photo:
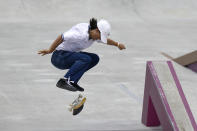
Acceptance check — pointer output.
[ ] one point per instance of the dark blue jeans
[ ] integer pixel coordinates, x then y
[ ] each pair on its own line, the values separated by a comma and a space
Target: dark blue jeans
77, 63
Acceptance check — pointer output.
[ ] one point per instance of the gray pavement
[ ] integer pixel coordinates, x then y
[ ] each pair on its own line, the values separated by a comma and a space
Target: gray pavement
114, 89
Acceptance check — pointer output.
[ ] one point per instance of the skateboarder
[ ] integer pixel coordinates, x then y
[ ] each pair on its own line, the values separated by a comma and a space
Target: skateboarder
68, 54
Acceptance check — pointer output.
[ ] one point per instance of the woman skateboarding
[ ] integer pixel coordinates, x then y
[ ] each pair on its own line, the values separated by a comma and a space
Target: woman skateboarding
68, 54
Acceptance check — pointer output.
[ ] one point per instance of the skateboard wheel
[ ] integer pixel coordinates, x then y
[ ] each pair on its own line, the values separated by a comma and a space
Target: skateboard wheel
70, 109
80, 96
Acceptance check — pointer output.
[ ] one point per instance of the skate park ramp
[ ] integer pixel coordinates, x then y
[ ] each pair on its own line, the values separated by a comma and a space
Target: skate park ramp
29, 99
188, 60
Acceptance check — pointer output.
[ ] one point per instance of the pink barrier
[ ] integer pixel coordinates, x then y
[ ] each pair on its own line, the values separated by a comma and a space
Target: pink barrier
156, 110
193, 66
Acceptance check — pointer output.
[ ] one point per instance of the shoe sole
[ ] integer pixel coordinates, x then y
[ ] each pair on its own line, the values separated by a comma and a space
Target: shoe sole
68, 88
80, 90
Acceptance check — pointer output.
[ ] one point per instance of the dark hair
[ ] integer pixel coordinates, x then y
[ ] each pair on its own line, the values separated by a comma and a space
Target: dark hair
93, 24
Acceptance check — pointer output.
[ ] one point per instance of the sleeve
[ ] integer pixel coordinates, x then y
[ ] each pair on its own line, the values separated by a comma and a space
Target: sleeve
63, 36
68, 36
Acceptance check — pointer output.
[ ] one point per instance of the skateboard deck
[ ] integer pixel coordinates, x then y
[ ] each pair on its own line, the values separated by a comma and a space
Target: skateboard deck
77, 105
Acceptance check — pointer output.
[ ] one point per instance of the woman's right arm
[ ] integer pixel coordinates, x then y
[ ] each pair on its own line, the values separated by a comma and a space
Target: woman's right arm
57, 42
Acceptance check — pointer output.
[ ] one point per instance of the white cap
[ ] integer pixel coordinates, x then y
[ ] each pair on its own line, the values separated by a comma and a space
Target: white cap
104, 28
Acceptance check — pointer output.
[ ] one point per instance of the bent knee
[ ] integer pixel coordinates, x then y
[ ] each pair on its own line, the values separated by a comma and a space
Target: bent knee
87, 59
95, 58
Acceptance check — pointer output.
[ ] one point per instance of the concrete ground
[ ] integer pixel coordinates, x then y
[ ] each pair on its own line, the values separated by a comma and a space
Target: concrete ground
29, 99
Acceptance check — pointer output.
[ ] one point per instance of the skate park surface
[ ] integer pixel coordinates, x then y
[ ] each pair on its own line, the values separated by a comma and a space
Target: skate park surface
29, 99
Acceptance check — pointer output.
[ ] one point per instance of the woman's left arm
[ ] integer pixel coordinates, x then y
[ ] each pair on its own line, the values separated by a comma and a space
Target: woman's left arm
119, 45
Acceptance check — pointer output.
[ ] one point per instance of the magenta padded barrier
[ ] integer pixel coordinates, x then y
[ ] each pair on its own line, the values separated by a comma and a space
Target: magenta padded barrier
156, 110
184, 100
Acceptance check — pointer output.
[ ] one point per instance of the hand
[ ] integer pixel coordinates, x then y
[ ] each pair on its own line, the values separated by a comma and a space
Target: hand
121, 46
44, 52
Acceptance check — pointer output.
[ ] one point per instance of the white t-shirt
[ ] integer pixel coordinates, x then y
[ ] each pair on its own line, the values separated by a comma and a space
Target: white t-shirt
76, 39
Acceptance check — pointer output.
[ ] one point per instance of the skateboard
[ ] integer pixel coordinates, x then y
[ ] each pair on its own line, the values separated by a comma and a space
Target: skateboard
77, 105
